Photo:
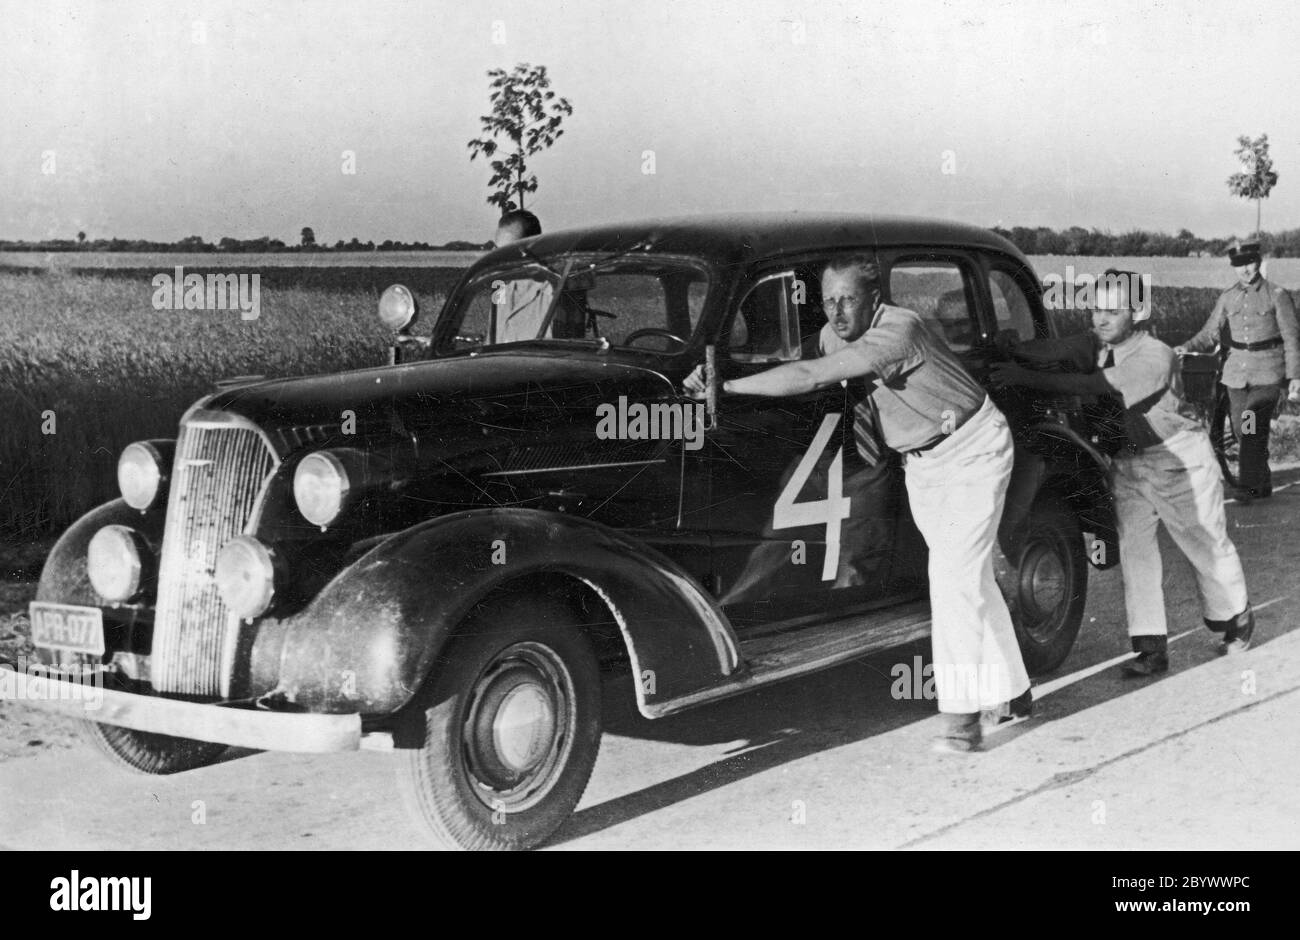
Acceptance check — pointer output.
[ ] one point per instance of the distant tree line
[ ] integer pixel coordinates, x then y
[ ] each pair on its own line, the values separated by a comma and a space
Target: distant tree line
195, 243
1075, 240
1081, 241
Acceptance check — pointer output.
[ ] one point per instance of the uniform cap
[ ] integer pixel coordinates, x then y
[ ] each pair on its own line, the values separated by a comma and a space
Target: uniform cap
1240, 253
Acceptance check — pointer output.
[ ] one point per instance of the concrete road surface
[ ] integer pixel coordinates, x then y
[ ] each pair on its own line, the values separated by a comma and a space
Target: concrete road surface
1205, 757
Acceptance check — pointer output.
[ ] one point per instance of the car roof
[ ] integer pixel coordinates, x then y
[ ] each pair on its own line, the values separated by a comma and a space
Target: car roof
737, 238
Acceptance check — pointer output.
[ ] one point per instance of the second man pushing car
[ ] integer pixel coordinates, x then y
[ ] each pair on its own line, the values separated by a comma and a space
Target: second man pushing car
1167, 473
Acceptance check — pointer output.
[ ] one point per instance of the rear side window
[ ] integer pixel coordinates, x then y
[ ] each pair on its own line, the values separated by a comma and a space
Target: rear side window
1010, 304
941, 294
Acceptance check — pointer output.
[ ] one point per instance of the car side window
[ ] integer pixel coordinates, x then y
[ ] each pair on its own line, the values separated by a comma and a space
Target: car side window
940, 293
766, 325
1010, 304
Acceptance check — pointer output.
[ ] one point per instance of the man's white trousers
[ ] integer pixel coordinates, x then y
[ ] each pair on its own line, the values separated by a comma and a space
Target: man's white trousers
957, 490
1180, 484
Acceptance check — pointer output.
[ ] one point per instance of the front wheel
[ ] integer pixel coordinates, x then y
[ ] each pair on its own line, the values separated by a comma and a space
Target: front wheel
512, 727
1044, 580
148, 753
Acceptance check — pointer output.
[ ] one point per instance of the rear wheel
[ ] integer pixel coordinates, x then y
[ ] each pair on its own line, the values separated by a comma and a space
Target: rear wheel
1045, 582
512, 727
148, 753
1226, 446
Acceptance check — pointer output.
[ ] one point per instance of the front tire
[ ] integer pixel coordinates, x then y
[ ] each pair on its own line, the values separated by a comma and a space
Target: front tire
512, 728
147, 753
1044, 580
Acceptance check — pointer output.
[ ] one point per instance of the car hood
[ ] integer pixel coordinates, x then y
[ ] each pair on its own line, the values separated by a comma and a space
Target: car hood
522, 390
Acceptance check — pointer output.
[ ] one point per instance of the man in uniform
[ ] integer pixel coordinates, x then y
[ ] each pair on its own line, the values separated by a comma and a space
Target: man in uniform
957, 461
1263, 349
1166, 473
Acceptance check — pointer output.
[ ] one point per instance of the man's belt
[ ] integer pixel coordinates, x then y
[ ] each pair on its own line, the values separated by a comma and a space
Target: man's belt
1273, 343
931, 445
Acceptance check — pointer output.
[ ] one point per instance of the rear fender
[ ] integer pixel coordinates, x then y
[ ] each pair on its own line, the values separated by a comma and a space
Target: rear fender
373, 634
1080, 475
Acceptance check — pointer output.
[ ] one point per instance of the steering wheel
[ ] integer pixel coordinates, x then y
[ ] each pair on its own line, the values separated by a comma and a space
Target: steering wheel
653, 331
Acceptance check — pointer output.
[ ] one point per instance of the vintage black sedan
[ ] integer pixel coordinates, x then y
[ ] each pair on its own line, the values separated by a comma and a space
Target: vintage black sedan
445, 553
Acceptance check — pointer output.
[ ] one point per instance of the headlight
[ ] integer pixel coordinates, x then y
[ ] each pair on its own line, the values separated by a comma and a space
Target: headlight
142, 472
115, 561
397, 307
245, 576
320, 485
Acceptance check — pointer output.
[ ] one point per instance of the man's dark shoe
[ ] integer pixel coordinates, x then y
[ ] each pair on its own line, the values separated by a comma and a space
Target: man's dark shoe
1240, 632
961, 734
1240, 494
1147, 664
1020, 707
1152, 658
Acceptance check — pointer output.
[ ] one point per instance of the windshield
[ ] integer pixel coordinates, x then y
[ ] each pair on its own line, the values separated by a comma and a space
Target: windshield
652, 303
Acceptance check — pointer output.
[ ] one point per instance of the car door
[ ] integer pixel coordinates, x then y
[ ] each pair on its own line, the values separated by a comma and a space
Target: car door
796, 525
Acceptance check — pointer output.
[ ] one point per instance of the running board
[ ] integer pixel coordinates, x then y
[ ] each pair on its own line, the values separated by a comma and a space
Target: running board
780, 654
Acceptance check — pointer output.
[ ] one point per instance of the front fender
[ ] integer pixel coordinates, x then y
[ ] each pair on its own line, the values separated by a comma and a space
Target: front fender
64, 578
367, 641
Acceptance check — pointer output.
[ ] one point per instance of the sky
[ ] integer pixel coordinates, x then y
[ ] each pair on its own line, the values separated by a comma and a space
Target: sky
161, 120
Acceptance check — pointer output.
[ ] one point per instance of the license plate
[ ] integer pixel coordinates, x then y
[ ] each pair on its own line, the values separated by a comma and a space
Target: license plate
68, 627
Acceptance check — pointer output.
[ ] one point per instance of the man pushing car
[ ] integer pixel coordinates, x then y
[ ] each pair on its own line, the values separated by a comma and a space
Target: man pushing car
958, 454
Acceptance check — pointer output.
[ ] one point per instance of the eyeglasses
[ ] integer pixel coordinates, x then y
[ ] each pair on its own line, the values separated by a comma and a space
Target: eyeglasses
851, 301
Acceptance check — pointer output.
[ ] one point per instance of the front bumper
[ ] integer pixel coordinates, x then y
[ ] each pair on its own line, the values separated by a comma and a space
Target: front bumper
239, 727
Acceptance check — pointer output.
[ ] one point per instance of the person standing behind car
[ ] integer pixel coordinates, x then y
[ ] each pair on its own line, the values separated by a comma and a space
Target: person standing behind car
957, 461
1167, 472
1263, 350
521, 306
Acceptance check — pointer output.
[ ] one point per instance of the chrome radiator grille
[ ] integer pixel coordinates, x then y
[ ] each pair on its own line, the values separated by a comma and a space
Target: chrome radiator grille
221, 465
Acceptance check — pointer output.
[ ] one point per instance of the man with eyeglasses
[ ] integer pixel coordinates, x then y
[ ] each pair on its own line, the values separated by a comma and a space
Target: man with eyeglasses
957, 462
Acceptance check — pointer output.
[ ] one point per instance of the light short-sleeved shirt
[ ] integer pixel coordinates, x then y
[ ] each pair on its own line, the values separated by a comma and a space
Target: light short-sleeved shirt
1148, 378
921, 391
522, 309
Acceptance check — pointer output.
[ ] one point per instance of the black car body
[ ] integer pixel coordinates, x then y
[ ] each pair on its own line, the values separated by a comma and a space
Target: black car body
441, 553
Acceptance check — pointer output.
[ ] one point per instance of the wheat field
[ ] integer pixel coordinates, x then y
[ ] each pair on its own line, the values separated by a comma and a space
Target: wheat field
87, 365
